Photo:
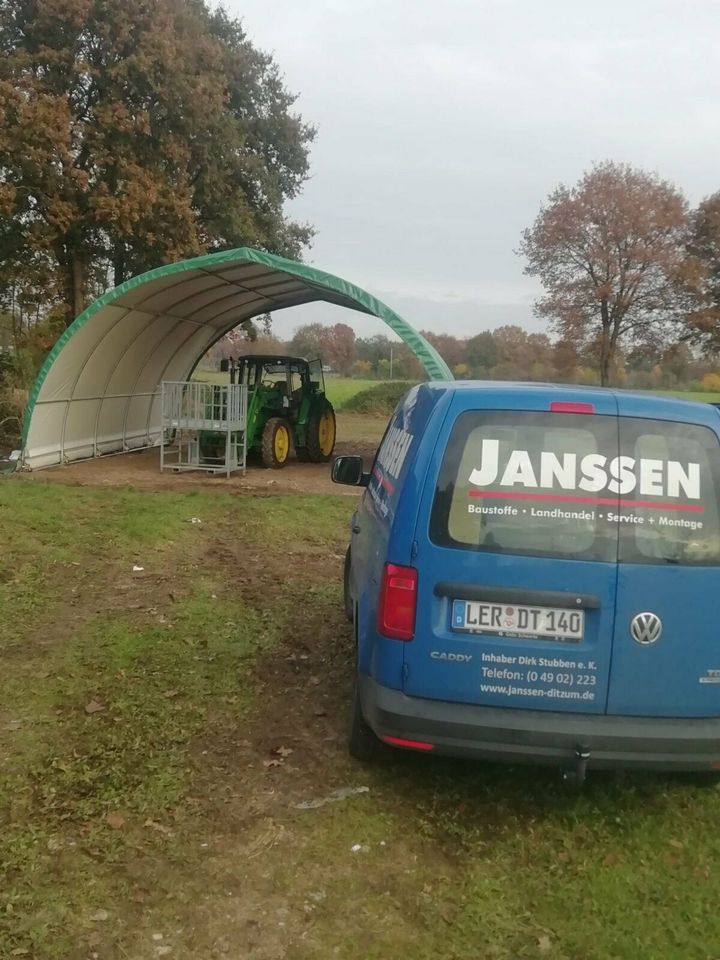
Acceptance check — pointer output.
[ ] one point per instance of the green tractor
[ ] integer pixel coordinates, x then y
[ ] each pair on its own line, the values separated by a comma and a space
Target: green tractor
286, 407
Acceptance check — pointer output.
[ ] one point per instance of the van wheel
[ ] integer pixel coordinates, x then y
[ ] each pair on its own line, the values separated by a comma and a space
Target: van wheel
347, 599
362, 742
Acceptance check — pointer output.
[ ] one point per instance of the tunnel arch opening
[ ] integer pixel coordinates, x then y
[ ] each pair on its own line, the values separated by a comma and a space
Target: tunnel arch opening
97, 392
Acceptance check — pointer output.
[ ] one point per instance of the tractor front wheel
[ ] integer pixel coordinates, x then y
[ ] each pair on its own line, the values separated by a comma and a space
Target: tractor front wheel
276, 443
320, 434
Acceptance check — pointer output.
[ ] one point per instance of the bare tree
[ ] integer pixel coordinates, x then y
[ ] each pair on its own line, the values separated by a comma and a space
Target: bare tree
610, 252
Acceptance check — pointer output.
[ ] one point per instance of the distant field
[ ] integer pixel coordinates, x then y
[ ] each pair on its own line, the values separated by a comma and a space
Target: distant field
698, 396
339, 389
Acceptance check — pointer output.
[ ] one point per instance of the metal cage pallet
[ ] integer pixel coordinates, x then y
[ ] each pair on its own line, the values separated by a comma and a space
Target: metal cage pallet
204, 426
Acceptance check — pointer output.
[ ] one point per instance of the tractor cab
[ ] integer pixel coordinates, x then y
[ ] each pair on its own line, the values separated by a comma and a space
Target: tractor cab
286, 407
283, 382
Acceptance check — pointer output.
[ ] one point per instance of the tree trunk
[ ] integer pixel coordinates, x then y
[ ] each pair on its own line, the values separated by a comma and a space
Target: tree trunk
18, 327
74, 281
79, 283
606, 345
119, 263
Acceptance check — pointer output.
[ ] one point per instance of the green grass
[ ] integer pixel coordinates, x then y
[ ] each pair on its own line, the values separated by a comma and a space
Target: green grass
153, 686
109, 675
139, 794
480, 861
339, 389
697, 396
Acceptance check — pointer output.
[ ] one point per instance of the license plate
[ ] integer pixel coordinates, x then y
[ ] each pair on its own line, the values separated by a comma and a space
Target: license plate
517, 620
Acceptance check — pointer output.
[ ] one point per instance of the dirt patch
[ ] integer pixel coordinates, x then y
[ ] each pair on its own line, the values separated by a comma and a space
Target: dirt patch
358, 436
304, 690
282, 878
304, 683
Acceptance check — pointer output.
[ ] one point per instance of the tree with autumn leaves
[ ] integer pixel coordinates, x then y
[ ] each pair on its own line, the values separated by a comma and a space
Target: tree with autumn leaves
623, 262
335, 344
704, 251
134, 133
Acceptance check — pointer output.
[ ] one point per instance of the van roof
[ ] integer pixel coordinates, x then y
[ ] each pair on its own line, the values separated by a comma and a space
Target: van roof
675, 408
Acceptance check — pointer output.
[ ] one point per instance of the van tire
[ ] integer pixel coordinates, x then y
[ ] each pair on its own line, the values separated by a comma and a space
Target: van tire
362, 742
347, 599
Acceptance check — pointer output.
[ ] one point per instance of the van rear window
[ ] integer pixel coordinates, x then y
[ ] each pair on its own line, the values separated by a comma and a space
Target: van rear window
580, 487
675, 514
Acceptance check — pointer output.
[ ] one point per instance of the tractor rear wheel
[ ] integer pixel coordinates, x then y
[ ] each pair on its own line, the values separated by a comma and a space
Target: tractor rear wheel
276, 443
320, 434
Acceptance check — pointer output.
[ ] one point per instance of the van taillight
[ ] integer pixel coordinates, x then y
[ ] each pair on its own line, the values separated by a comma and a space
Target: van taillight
398, 596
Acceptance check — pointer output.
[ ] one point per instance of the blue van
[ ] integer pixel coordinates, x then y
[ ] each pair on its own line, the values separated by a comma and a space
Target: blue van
534, 575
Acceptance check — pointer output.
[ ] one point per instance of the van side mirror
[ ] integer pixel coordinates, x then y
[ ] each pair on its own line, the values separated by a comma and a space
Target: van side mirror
349, 470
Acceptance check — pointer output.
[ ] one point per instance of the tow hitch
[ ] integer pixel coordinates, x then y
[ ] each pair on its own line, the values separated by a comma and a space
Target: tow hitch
579, 769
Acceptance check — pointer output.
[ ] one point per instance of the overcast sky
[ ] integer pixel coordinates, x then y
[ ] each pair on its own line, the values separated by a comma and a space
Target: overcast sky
443, 126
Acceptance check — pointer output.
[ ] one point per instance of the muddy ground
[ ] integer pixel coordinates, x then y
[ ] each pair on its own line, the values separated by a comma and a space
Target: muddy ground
356, 435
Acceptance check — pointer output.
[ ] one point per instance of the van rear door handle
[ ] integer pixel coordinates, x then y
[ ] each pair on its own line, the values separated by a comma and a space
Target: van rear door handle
540, 598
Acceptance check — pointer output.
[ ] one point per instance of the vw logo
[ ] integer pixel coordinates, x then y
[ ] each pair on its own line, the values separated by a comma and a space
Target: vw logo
646, 628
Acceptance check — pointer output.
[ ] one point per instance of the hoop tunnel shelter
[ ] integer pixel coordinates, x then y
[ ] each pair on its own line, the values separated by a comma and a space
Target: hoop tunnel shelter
98, 390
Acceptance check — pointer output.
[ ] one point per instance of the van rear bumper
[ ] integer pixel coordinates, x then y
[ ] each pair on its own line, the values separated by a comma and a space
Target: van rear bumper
536, 736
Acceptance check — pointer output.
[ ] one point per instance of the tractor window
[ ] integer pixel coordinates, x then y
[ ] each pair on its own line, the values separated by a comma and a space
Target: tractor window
248, 375
274, 373
317, 379
275, 376
296, 388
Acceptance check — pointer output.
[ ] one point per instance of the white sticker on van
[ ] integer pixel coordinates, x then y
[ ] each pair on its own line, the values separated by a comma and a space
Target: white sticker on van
394, 450
387, 467
593, 473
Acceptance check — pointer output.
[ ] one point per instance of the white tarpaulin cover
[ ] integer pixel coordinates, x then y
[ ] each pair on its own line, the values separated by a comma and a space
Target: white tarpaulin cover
98, 391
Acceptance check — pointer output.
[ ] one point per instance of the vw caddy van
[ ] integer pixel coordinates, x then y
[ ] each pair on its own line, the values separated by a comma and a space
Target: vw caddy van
534, 575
